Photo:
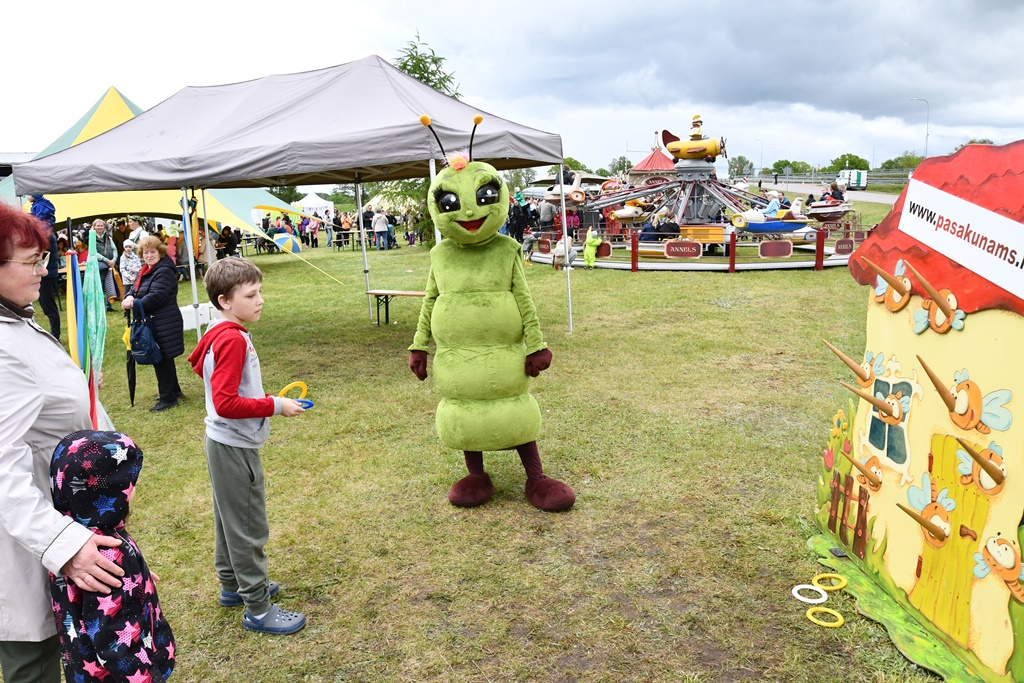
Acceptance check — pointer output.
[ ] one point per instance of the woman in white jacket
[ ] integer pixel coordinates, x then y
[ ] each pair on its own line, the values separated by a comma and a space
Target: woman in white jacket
46, 398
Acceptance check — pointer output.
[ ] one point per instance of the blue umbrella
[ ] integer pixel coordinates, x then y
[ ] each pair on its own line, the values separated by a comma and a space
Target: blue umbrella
287, 243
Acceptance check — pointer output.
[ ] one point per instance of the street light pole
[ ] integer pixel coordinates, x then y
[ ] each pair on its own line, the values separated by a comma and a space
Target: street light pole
760, 161
927, 116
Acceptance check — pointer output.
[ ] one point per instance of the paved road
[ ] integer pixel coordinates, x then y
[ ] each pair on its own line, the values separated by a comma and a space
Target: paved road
800, 190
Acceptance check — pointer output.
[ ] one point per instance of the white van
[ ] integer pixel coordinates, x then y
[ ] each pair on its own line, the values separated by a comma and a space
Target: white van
852, 180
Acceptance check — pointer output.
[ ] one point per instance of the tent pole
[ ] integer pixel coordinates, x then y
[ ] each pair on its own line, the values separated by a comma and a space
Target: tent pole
362, 242
433, 174
565, 243
209, 262
210, 256
191, 257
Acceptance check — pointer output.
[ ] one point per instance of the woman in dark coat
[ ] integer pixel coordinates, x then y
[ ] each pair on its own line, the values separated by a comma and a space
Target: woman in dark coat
156, 288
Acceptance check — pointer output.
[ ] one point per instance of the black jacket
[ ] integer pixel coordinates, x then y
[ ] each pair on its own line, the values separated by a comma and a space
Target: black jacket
157, 291
53, 263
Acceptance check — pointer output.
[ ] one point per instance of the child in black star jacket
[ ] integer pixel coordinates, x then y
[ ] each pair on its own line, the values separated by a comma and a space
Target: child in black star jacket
122, 636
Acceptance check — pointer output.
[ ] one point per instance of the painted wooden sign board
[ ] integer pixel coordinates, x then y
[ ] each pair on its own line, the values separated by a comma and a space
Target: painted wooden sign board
775, 249
922, 479
683, 249
844, 247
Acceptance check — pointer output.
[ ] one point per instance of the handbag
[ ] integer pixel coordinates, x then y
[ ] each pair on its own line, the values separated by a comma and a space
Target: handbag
145, 350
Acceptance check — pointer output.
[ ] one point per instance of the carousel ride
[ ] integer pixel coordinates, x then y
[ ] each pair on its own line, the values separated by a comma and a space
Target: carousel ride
705, 209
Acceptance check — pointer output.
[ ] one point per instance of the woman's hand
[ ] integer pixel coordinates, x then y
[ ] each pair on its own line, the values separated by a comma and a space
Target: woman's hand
90, 570
126, 304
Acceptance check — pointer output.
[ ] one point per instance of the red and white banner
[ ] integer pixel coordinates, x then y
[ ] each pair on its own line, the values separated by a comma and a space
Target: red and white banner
978, 239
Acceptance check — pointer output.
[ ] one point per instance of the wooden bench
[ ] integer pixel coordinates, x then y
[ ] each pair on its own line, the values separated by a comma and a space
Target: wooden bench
384, 296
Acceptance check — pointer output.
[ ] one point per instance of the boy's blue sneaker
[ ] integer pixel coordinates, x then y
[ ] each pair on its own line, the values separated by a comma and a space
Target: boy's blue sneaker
277, 620
233, 599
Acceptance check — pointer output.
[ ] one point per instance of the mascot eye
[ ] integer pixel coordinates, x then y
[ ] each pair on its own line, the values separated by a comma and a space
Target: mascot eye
448, 201
488, 194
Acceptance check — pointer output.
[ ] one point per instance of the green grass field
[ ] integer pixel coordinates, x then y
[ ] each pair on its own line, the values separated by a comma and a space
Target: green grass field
688, 410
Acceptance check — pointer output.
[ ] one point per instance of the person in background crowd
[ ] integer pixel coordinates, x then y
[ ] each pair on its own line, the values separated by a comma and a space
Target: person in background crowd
346, 228
119, 234
392, 241
367, 216
380, 229
156, 288
44, 210
334, 229
547, 215
130, 264
62, 248
667, 228
529, 240
226, 244
173, 234
772, 209
329, 228
107, 252
136, 231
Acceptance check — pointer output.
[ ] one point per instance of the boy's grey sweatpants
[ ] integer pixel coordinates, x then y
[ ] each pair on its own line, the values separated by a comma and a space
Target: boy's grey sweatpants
240, 522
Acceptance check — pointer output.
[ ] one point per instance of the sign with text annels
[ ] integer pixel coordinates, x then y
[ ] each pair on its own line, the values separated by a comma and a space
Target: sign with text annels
978, 239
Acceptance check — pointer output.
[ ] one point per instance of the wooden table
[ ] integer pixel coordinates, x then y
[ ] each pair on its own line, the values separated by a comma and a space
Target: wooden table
384, 296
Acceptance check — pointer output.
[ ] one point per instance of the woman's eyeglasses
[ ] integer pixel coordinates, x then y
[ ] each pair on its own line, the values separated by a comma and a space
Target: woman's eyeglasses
36, 265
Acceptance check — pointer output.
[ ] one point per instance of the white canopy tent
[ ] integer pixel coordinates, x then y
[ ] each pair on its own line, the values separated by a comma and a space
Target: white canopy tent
313, 203
288, 129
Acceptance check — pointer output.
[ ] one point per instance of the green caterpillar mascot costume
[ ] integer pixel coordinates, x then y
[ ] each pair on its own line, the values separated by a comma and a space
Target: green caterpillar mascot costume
488, 341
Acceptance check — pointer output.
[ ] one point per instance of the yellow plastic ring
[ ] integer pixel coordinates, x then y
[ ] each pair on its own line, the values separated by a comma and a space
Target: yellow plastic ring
301, 386
841, 580
825, 610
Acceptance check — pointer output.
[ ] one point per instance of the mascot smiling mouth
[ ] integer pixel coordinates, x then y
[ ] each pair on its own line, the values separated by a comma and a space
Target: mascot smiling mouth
472, 226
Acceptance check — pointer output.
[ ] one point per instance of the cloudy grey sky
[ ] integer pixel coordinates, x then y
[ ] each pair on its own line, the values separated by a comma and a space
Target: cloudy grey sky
809, 79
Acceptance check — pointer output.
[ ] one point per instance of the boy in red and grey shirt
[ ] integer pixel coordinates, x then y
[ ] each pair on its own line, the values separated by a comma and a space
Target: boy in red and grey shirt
237, 425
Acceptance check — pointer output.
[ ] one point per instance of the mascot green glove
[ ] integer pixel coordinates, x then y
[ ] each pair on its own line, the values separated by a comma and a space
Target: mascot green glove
479, 311
590, 248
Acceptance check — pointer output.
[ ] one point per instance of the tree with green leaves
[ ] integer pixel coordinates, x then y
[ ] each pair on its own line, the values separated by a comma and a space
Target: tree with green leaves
520, 177
286, 193
739, 166
618, 165
571, 164
343, 197
974, 141
418, 60
795, 167
907, 161
421, 62
848, 160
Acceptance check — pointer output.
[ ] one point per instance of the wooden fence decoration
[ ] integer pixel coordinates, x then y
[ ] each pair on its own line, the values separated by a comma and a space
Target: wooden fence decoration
842, 491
